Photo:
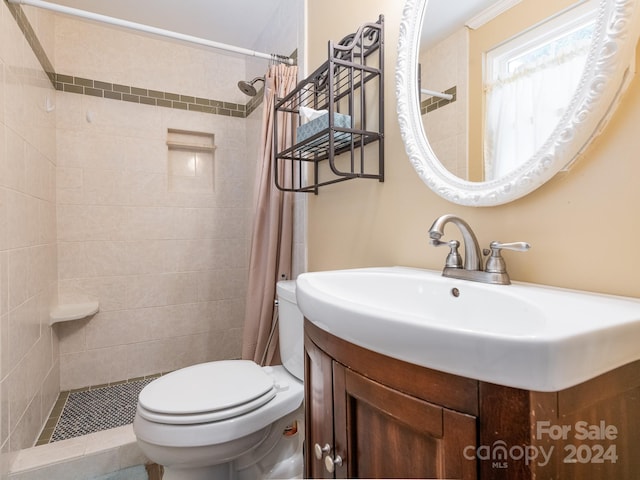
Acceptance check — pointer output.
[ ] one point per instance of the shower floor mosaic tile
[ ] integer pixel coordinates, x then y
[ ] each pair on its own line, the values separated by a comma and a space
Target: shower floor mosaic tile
92, 410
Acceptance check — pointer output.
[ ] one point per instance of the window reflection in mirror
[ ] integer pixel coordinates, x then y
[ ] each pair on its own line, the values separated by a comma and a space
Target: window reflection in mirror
528, 82
513, 76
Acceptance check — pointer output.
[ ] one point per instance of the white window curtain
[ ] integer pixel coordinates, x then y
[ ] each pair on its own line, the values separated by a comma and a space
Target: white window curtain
523, 108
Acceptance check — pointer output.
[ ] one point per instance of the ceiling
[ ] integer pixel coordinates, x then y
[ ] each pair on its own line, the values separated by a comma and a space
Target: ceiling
234, 22
444, 17
240, 22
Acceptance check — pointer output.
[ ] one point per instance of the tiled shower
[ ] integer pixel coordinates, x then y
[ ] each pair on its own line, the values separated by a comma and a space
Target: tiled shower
161, 261
88, 210
29, 365
447, 70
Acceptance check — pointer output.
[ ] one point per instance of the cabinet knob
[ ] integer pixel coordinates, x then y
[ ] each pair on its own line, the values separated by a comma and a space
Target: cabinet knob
330, 463
318, 450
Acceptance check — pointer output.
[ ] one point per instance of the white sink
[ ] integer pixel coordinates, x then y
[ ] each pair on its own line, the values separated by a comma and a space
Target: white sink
520, 335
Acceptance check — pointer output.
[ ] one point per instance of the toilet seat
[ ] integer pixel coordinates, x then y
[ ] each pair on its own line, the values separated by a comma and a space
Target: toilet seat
207, 392
289, 397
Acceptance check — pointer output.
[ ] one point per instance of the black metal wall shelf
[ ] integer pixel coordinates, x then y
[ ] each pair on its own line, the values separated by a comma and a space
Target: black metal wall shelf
349, 86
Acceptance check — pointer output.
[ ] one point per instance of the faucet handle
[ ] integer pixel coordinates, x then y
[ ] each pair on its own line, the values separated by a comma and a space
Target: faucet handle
454, 259
517, 246
495, 263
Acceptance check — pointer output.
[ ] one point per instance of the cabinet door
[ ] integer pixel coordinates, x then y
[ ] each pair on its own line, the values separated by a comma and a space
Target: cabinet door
384, 433
318, 387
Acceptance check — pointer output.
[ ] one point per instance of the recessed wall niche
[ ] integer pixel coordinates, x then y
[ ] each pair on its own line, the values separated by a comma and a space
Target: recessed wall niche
191, 157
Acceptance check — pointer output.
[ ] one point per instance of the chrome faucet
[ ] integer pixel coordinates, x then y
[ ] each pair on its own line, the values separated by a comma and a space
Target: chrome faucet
495, 271
472, 258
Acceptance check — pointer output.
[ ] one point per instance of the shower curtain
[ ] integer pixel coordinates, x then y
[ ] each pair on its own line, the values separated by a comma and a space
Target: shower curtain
272, 236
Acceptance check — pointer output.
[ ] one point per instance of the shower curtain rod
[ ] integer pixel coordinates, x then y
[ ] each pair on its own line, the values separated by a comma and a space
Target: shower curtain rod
424, 91
149, 29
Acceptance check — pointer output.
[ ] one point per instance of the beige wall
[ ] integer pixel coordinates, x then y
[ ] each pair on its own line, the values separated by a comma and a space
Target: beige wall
28, 346
583, 225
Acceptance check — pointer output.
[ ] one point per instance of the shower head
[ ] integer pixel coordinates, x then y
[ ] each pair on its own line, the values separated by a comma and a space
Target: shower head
247, 87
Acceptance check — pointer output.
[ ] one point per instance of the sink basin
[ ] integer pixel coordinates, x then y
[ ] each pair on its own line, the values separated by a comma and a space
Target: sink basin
520, 335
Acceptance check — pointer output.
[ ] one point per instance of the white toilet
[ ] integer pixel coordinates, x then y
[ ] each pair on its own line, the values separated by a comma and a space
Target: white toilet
230, 419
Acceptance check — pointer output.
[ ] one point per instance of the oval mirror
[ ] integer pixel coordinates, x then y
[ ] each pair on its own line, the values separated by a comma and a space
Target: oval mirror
510, 95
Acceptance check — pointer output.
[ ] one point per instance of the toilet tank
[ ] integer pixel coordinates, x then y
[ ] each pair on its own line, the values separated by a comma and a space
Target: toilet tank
290, 329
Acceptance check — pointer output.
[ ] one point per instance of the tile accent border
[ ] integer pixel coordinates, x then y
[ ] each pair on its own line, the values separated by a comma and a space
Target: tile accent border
255, 102
30, 35
97, 88
126, 93
433, 103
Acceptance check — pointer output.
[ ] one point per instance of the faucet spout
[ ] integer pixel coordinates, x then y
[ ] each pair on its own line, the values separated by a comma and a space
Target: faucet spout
472, 255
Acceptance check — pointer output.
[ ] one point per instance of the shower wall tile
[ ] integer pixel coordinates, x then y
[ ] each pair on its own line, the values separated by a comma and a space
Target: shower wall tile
4, 227
43, 24
108, 329
4, 303
4, 361
13, 164
24, 331
147, 257
226, 342
444, 66
17, 277
185, 70
185, 319
145, 188
100, 167
28, 272
168, 267
110, 291
75, 334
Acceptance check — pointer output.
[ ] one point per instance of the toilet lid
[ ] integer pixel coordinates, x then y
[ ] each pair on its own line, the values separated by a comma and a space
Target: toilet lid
214, 390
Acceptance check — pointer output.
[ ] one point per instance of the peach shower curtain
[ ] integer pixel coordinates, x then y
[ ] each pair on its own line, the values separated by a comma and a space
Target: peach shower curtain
272, 237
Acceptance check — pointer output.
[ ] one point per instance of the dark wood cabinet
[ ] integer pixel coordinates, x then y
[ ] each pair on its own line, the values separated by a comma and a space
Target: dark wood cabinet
318, 409
372, 416
385, 433
375, 428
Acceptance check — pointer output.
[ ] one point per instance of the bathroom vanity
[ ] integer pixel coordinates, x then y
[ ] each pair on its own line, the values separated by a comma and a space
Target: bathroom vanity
372, 416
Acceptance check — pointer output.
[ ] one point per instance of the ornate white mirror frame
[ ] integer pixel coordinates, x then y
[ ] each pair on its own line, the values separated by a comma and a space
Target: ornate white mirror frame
606, 76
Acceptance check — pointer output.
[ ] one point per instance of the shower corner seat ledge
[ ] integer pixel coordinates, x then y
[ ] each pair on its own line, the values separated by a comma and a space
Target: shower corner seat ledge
72, 311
